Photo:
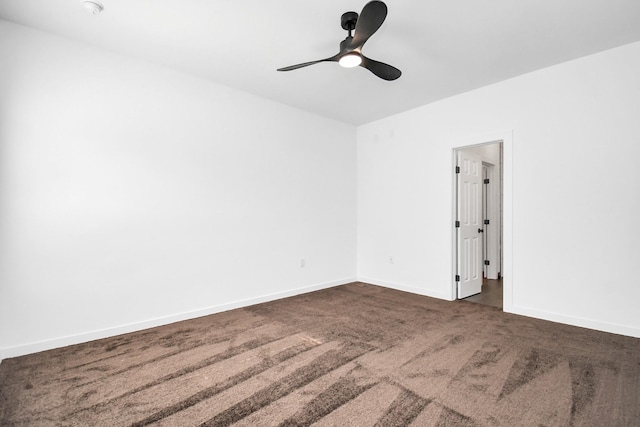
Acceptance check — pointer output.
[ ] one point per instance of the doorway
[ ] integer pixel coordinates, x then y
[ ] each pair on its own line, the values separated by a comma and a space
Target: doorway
478, 222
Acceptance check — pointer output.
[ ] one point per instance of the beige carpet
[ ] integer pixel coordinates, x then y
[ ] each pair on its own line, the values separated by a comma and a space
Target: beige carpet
354, 355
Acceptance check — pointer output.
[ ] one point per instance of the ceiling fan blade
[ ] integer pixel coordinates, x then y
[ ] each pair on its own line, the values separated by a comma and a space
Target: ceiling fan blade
380, 69
371, 18
306, 64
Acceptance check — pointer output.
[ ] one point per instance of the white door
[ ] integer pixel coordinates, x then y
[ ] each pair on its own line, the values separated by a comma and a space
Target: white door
470, 263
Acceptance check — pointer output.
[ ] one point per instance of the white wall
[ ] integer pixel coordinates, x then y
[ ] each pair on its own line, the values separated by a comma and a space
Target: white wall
575, 188
132, 195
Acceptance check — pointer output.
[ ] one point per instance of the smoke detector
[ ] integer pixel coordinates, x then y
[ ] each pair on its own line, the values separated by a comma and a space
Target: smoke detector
93, 7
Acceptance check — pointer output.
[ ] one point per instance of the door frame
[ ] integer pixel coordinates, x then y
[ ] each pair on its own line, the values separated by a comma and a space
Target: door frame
506, 137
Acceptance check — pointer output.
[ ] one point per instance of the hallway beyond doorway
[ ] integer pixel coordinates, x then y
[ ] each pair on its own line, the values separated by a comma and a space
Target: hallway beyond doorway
491, 293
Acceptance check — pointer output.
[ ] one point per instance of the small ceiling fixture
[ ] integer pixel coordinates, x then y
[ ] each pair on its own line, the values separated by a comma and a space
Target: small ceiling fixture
93, 7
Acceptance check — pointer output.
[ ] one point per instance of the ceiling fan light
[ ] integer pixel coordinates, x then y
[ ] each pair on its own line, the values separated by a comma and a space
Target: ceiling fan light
350, 60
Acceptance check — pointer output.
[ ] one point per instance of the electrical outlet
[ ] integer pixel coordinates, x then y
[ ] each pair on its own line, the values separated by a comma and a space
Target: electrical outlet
391, 260
303, 262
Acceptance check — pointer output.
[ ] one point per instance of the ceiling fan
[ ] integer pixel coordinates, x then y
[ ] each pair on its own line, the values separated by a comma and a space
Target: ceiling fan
371, 18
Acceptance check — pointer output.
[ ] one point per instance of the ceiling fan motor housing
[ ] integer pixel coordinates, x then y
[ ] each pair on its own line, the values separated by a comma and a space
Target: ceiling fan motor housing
344, 45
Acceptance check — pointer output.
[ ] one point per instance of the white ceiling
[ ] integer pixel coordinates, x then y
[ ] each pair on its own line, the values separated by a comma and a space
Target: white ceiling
443, 47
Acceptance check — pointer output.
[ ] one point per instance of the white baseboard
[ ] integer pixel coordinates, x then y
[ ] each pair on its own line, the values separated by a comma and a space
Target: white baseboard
575, 321
35, 347
522, 311
405, 288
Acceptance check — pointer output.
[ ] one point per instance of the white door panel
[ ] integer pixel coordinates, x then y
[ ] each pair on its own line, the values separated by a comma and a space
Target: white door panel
470, 263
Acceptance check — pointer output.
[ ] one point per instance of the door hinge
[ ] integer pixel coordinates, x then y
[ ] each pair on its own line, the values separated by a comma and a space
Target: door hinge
486, 221
457, 169
486, 262
457, 277
457, 224
486, 181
